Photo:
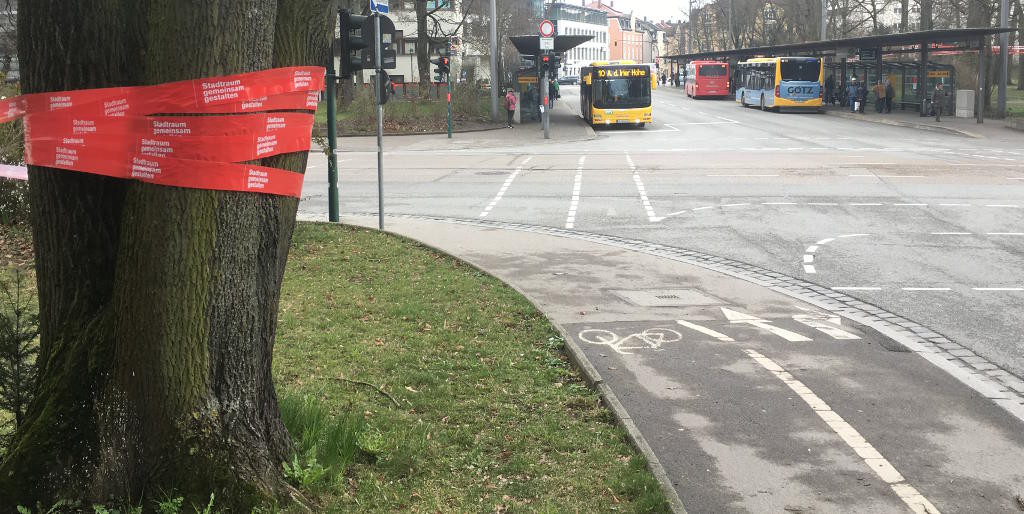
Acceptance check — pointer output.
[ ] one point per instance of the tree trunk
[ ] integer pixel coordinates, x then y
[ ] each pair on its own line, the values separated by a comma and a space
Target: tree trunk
422, 48
1019, 34
158, 305
904, 15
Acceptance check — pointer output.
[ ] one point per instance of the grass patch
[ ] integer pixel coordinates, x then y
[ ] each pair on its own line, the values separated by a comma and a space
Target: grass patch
491, 416
1014, 102
471, 108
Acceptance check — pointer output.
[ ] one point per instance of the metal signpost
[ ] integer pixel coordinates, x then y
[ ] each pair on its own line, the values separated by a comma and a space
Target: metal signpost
547, 33
332, 141
379, 7
448, 77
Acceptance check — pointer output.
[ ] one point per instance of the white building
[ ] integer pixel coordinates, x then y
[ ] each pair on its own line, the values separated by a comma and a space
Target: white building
576, 20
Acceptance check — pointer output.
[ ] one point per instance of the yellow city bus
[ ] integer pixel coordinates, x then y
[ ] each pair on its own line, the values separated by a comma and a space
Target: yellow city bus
616, 92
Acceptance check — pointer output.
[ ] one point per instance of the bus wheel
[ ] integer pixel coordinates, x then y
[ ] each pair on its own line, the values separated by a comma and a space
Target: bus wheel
762, 103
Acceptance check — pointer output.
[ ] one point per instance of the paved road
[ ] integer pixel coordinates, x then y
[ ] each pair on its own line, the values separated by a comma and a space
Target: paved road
926, 225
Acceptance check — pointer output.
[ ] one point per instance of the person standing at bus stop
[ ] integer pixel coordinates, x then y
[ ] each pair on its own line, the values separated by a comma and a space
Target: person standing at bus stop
879, 97
938, 98
851, 94
890, 94
510, 105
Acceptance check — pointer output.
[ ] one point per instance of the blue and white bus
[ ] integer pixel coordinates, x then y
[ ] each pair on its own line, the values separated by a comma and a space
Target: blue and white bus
780, 83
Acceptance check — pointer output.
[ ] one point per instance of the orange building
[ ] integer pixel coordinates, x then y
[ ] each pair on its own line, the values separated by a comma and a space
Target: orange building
625, 41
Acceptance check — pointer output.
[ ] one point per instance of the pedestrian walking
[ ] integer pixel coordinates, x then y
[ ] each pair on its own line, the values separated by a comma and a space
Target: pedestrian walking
862, 97
851, 94
890, 94
510, 106
938, 98
830, 86
879, 97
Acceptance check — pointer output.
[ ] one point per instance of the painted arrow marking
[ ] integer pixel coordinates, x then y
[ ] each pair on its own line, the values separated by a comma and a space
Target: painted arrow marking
827, 324
706, 331
739, 317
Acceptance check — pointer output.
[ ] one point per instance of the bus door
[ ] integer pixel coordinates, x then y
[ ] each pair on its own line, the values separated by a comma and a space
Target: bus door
800, 80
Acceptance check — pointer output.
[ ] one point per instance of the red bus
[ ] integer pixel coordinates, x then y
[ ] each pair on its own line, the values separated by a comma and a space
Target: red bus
707, 78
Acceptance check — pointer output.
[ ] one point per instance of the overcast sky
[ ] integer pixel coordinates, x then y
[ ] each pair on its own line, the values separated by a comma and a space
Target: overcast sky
654, 9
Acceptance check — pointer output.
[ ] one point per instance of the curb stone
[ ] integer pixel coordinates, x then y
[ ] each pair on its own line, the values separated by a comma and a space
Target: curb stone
593, 379
994, 383
906, 124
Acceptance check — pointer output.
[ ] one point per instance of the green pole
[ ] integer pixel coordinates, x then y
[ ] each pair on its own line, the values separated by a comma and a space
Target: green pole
332, 142
449, 75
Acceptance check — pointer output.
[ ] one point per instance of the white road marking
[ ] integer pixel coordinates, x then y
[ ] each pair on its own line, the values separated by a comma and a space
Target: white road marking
1014, 178
925, 288
733, 204
1010, 206
856, 288
828, 324
671, 127
810, 269
811, 249
742, 175
854, 235
998, 288
726, 119
704, 208
707, 331
501, 192
825, 241
570, 221
874, 460
643, 192
740, 317
890, 176
676, 213
808, 258
527, 161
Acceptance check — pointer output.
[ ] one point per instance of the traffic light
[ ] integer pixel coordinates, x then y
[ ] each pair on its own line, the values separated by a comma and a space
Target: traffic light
386, 87
545, 62
352, 42
443, 68
556, 62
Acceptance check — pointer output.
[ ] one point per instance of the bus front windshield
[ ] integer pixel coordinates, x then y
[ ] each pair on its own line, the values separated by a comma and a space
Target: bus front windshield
801, 69
622, 93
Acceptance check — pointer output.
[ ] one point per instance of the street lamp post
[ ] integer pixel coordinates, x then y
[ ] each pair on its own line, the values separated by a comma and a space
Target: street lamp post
494, 63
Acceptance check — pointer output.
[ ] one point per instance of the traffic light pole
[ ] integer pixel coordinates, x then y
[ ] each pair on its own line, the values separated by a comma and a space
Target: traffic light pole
449, 76
332, 142
380, 123
546, 114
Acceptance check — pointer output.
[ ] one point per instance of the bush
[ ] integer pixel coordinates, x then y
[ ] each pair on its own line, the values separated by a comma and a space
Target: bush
19, 326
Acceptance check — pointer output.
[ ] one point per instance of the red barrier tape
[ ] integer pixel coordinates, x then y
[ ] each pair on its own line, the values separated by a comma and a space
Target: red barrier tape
111, 131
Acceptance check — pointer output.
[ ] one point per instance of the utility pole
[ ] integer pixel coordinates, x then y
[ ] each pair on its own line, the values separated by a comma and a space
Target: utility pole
332, 136
380, 121
824, 19
1004, 58
494, 63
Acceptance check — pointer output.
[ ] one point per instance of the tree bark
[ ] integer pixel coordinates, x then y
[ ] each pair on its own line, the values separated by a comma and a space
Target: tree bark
158, 305
422, 47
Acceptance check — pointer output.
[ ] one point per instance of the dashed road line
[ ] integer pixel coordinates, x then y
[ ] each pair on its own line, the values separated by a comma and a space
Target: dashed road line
570, 220
651, 217
706, 331
871, 457
501, 192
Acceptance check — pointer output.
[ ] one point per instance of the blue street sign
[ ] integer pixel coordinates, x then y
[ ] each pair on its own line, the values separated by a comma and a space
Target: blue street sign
379, 6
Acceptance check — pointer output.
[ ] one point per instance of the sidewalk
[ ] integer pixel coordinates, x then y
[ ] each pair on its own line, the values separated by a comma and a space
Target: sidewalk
745, 388
967, 127
565, 126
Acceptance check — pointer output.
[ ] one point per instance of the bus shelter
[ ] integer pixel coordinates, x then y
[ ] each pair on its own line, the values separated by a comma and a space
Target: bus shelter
903, 75
867, 55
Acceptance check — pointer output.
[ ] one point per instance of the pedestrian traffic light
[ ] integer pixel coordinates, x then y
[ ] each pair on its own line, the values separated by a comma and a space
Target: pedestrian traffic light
352, 42
443, 63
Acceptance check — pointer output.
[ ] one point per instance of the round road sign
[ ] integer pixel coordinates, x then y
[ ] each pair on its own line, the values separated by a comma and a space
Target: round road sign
547, 29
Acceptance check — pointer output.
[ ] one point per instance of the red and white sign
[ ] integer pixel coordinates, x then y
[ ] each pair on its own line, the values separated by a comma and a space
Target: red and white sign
547, 29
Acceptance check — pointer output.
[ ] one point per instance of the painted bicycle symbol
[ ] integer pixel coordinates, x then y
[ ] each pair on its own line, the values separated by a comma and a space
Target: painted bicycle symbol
650, 339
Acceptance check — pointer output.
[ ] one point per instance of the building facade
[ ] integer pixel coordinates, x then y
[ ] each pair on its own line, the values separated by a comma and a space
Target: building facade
577, 20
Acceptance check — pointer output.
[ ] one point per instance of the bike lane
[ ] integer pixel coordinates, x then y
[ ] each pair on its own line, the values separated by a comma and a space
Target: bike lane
753, 401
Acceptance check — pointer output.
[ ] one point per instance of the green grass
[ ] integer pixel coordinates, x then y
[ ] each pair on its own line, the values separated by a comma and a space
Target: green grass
490, 417
410, 115
1014, 102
